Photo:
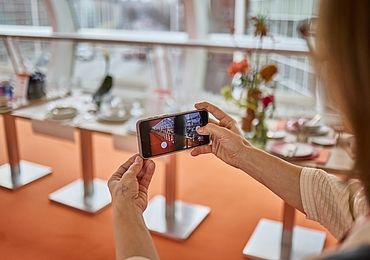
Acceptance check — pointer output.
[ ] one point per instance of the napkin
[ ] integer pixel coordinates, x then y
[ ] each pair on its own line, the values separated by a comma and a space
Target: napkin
323, 156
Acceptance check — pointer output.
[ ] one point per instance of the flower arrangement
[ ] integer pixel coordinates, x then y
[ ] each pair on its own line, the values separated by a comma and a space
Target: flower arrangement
252, 85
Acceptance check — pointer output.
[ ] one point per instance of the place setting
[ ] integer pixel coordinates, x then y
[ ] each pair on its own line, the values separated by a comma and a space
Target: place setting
112, 111
300, 139
293, 150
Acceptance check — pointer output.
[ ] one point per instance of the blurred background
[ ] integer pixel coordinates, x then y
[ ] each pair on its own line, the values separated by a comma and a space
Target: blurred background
137, 70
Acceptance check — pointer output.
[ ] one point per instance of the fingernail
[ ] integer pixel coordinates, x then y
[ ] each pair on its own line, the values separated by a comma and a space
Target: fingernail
138, 159
200, 130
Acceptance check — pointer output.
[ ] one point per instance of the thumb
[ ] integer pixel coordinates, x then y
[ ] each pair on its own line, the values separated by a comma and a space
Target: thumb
134, 169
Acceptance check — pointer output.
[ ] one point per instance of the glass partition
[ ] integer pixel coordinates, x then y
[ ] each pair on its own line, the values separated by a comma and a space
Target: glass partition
129, 66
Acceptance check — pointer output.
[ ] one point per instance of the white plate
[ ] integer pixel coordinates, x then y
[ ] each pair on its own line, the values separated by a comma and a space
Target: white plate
323, 130
62, 113
325, 141
111, 118
293, 150
279, 134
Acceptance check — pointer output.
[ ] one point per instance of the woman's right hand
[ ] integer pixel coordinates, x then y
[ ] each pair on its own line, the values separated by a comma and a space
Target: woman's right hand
227, 141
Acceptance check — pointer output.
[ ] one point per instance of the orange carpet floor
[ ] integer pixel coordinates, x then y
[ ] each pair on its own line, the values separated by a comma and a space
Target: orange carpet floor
32, 227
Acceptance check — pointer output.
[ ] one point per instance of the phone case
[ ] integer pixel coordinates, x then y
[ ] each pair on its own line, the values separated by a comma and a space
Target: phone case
158, 117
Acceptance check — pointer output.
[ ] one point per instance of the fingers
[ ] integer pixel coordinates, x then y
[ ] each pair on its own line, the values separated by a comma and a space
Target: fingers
148, 174
145, 166
211, 120
225, 119
117, 175
204, 149
134, 169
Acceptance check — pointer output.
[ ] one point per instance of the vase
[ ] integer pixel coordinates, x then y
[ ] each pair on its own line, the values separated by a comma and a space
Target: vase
252, 105
260, 131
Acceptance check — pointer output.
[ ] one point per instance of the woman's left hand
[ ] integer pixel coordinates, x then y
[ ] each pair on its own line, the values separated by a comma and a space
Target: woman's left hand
129, 185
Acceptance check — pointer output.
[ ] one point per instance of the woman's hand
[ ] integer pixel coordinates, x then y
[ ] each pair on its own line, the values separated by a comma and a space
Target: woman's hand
129, 189
224, 119
227, 141
129, 185
228, 144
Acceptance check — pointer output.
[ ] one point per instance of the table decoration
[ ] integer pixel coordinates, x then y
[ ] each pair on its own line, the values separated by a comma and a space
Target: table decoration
252, 86
107, 83
36, 86
6, 94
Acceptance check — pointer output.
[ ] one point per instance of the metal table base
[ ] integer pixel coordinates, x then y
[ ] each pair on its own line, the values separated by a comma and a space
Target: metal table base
265, 242
88, 193
187, 218
26, 172
17, 173
169, 217
73, 195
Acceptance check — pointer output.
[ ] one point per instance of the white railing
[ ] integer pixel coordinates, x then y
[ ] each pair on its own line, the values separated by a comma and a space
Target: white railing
216, 42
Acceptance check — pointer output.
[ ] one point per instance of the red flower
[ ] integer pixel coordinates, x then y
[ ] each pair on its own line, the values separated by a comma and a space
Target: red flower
267, 100
241, 67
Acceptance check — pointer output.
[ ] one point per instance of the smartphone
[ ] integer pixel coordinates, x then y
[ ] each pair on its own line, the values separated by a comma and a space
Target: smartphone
171, 133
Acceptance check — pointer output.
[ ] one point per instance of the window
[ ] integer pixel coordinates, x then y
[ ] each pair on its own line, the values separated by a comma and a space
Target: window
143, 15
23, 12
35, 54
137, 68
284, 16
221, 16
134, 69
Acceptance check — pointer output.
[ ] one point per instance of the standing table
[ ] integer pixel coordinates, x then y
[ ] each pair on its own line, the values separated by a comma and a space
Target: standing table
276, 240
88, 194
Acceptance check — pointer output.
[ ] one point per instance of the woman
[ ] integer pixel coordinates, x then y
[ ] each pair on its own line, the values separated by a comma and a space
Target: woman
344, 42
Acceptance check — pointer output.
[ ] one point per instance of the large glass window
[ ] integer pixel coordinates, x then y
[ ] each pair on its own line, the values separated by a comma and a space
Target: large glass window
134, 69
144, 15
283, 16
129, 66
34, 54
23, 12
221, 16
137, 68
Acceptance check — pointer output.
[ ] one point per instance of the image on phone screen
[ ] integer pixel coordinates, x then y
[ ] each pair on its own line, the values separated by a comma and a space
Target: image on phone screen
172, 133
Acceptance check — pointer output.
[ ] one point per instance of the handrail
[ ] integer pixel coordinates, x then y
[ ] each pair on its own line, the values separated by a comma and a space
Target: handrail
215, 42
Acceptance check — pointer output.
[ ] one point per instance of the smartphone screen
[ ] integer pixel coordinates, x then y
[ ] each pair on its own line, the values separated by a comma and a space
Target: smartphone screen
171, 133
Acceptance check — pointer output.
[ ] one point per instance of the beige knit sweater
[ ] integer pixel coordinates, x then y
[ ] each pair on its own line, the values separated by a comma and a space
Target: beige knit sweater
334, 203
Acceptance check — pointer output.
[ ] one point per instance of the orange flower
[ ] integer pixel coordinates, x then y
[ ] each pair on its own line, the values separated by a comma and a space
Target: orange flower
268, 72
241, 67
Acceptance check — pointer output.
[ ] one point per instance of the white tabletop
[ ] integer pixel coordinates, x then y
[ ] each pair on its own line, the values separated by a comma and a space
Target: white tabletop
84, 119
